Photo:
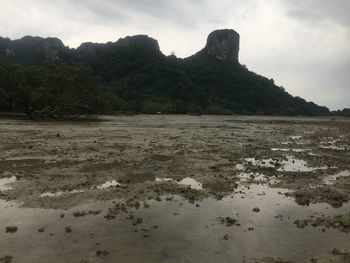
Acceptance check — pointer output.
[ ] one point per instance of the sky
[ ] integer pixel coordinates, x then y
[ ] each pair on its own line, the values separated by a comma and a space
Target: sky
304, 45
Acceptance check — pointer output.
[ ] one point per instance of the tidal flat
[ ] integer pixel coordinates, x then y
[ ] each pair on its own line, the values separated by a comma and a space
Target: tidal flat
175, 188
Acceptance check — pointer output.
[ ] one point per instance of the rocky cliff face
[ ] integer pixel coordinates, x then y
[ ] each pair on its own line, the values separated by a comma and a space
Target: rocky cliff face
51, 48
30, 49
223, 44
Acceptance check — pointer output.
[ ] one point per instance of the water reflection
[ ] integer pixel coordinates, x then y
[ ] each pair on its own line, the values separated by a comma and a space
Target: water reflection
176, 231
5, 183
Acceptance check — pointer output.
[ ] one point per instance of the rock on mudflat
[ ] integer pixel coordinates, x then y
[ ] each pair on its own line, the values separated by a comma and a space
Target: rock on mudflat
69, 229
344, 251
11, 229
256, 209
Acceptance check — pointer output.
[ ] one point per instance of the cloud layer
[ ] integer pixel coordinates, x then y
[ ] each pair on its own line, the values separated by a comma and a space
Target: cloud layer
303, 44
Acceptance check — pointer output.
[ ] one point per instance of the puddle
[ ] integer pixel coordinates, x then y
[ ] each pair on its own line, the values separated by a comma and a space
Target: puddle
333, 147
312, 154
5, 183
188, 181
108, 184
331, 144
295, 138
289, 165
175, 231
60, 193
297, 165
240, 167
257, 177
191, 183
165, 180
331, 179
289, 150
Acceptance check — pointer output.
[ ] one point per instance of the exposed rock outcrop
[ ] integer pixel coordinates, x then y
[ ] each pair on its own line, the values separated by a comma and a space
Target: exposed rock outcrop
223, 44
31, 49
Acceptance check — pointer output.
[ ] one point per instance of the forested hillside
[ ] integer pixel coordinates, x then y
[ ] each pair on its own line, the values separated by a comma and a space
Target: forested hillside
42, 77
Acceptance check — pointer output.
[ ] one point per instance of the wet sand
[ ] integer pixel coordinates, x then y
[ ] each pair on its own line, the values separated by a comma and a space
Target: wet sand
175, 189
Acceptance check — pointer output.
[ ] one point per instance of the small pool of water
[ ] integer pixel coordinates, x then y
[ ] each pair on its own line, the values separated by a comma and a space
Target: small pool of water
60, 193
289, 150
108, 184
5, 183
296, 137
331, 179
334, 147
257, 177
188, 181
290, 165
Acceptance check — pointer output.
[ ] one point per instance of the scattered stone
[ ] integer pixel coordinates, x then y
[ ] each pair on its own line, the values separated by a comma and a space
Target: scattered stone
6, 259
332, 196
300, 223
272, 260
79, 213
69, 229
11, 229
226, 237
256, 209
95, 212
41, 230
340, 222
229, 221
344, 251
137, 221
100, 253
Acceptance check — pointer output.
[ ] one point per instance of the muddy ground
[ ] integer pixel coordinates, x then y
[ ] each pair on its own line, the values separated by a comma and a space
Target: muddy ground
175, 189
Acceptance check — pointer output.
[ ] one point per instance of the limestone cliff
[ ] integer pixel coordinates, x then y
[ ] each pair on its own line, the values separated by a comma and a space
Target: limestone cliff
223, 44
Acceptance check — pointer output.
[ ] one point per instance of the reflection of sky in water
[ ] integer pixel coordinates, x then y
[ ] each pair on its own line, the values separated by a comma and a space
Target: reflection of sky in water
108, 184
60, 193
290, 150
5, 183
330, 180
184, 233
186, 181
289, 165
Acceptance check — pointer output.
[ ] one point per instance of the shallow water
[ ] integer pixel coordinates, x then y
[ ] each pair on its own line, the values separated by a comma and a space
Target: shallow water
331, 179
5, 183
108, 184
188, 181
60, 193
177, 231
291, 164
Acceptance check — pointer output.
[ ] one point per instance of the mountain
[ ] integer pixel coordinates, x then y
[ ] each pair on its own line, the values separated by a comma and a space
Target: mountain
132, 75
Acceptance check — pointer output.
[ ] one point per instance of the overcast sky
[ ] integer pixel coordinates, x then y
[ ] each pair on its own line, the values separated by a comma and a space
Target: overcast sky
304, 45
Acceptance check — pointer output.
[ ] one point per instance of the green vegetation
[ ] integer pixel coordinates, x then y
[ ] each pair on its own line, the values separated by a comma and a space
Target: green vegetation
53, 90
134, 77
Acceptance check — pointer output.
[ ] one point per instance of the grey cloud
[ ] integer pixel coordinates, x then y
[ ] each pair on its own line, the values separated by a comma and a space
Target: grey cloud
320, 10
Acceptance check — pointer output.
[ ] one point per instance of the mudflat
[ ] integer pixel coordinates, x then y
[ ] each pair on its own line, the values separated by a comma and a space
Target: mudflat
175, 188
